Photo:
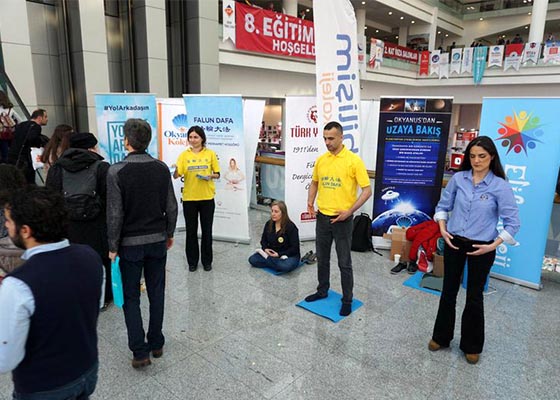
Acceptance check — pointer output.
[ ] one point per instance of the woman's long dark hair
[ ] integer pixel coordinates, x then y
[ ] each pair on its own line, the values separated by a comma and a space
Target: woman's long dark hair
58, 143
487, 144
284, 219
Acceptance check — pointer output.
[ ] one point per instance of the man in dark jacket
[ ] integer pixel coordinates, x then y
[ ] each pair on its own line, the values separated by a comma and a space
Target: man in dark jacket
27, 134
50, 304
141, 218
78, 159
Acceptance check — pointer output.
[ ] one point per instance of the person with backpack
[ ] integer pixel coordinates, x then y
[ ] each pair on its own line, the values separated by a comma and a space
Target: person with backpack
80, 174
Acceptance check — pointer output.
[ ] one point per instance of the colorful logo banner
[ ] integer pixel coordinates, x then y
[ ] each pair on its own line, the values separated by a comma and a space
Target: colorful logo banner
551, 52
513, 56
479, 64
526, 135
269, 32
304, 143
496, 56
467, 63
336, 64
112, 111
424, 63
397, 52
531, 52
228, 17
221, 117
411, 148
173, 140
435, 58
455, 63
376, 53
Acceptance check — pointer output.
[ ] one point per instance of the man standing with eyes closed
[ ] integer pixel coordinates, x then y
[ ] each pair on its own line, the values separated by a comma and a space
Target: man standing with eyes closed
336, 177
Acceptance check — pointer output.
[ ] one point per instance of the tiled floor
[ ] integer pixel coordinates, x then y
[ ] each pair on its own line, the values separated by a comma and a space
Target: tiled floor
234, 333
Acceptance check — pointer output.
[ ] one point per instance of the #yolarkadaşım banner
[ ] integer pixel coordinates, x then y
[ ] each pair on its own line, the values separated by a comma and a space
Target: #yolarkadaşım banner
173, 140
526, 135
303, 145
270, 32
337, 71
411, 147
112, 110
221, 117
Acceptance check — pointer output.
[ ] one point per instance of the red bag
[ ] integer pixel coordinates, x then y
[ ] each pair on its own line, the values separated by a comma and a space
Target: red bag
7, 126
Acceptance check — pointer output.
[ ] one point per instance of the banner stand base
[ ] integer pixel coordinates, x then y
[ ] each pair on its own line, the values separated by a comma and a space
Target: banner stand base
530, 285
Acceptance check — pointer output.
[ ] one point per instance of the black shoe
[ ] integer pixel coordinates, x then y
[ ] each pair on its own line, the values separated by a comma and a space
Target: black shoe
398, 268
192, 268
412, 267
345, 310
141, 363
315, 297
208, 267
306, 256
157, 353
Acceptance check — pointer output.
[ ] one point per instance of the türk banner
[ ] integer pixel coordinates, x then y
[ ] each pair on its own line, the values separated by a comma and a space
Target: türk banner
336, 63
112, 111
303, 140
274, 33
411, 149
526, 135
221, 117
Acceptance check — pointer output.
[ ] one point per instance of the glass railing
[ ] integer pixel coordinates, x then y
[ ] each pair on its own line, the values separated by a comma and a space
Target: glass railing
7, 87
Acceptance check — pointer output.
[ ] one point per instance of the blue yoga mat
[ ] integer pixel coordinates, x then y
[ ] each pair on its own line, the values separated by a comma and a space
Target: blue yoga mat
329, 307
274, 272
414, 282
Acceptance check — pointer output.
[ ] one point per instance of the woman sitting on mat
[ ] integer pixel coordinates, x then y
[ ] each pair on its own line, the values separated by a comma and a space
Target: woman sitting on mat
280, 242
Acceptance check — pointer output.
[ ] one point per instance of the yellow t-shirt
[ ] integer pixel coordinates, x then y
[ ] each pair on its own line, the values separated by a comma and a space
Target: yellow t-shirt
338, 178
189, 165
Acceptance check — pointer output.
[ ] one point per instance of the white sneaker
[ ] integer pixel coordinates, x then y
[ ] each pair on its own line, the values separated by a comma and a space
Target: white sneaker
284, 257
262, 253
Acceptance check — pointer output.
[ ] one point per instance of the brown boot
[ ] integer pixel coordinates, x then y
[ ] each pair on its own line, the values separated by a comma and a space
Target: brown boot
472, 358
140, 363
434, 346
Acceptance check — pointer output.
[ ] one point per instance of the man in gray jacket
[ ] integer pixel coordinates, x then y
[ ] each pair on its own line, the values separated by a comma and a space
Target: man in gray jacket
141, 218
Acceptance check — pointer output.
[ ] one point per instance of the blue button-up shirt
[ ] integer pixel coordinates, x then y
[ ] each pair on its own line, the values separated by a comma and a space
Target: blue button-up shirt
476, 208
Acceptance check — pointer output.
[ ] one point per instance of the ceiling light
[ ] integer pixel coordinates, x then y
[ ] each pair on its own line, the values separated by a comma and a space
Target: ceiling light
365, 27
402, 18
526, 27
446, 35
390, 12
413, 21
363, 2
307, 10
396, 36
377, 31
439, 32
529, 13
482, 19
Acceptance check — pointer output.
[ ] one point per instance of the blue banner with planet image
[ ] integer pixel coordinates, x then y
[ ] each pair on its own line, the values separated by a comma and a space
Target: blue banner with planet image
412, 144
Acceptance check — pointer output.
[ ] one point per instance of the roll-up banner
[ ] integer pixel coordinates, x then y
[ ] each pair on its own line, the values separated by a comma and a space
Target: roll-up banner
336, 63
303, 141
411, 149
525, 131
479, 63
112, 110
221, 117
173, 140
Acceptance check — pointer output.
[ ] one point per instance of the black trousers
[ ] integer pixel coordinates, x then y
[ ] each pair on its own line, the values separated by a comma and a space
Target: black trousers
191, 211
341, 233
472, 321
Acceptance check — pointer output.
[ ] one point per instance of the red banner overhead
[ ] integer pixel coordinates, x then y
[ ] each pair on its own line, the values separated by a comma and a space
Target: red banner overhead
400, 53
269, 32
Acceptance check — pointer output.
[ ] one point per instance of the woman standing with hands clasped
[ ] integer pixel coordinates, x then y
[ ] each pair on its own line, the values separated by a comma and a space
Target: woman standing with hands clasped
199, 167
477, 196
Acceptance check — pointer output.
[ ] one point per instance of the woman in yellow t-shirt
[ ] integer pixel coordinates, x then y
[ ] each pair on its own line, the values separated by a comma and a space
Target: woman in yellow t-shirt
199, 167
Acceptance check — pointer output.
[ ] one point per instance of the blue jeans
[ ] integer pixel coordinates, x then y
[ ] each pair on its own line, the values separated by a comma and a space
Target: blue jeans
275, 263
133, 259
80, 389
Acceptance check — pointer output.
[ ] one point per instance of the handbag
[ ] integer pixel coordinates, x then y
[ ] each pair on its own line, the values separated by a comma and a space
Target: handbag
7, 131
116, 283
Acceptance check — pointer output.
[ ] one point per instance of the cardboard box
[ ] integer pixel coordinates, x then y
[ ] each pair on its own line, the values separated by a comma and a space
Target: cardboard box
438, 265
399, 244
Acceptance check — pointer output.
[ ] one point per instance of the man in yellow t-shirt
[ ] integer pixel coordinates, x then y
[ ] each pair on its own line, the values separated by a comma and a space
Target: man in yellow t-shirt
336, 177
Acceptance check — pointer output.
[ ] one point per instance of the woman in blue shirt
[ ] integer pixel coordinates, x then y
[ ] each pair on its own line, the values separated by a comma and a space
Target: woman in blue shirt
279, 242
477, 196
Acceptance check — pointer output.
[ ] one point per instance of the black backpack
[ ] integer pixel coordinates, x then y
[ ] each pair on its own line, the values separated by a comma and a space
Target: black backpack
361, 233
80, 193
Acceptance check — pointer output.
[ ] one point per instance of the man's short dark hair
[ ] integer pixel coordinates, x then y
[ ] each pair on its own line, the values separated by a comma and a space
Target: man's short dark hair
138, 133
38, 113
41, 209
333, 124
